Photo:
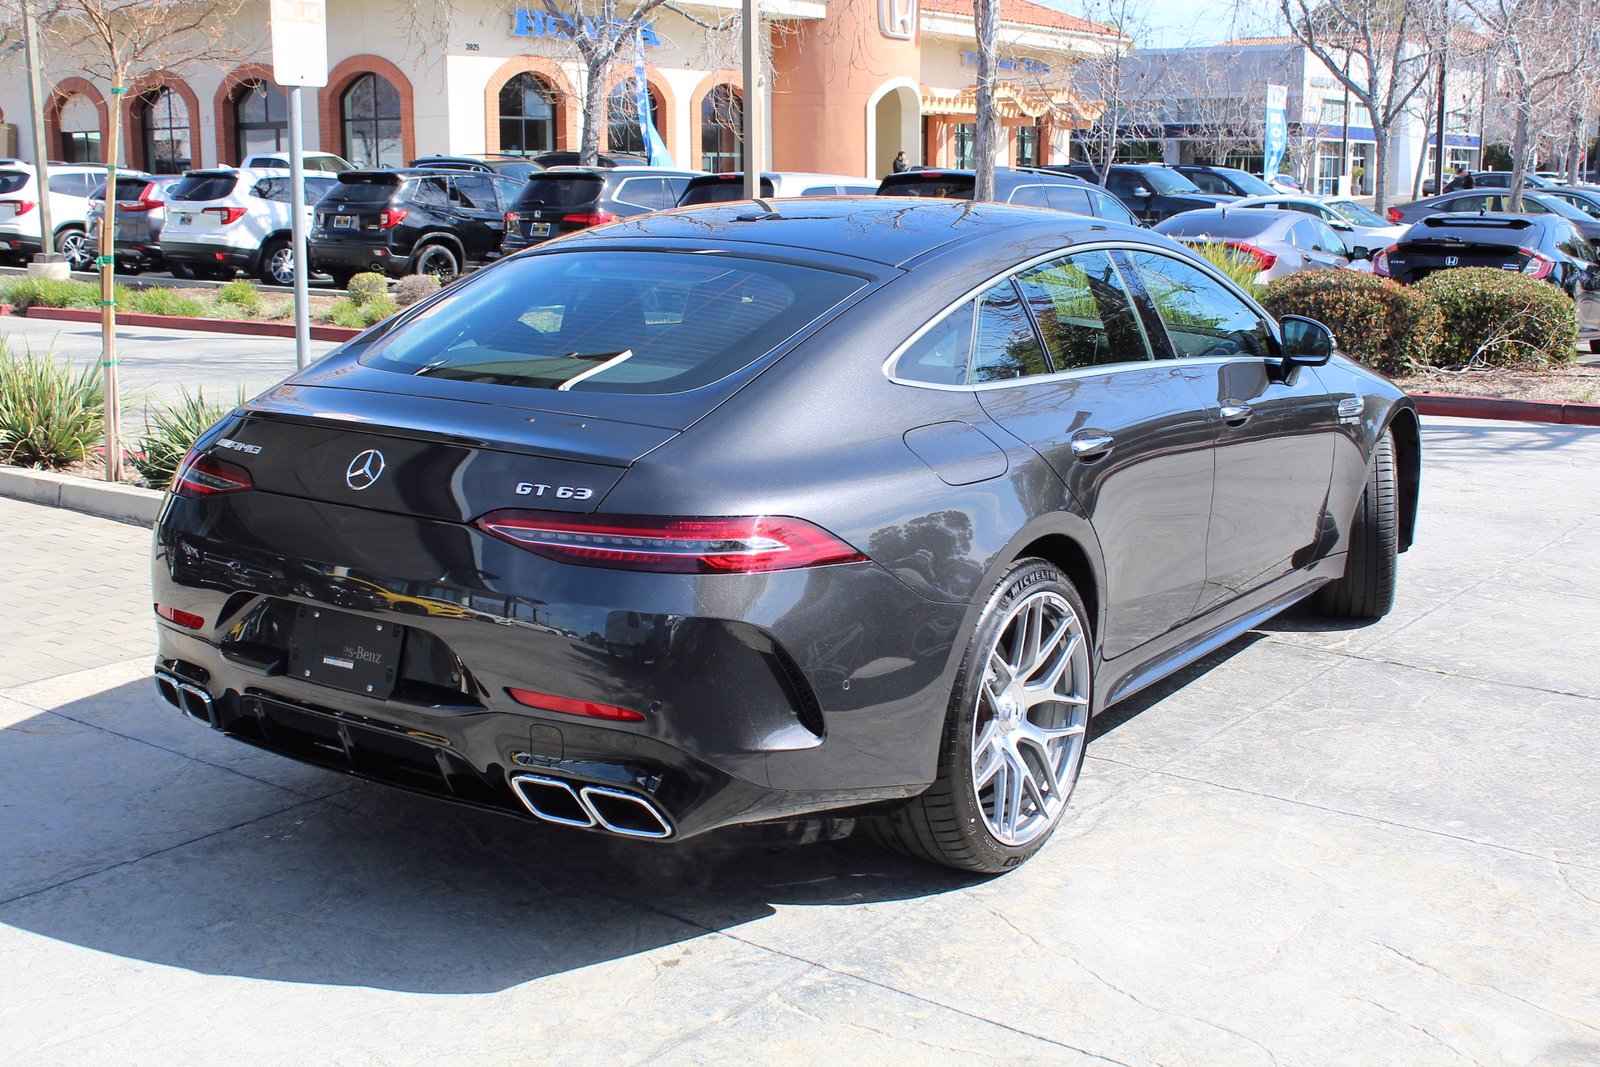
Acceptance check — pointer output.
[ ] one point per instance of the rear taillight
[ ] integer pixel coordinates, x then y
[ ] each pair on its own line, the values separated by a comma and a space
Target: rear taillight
671, 545
225, 215
1264, 259
187, 620
509, 218
1380, 261
390, 217
588, 218
568, 706
203, 475
19, 207
146, 203
1394, 215
1538, 265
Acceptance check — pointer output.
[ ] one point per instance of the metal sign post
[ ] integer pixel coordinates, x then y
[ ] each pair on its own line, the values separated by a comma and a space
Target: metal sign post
299, 58
754, 117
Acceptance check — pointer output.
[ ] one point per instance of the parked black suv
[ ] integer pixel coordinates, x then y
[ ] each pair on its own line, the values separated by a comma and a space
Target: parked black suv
1229, 181
506, 166
1024, 186
410, 222
1149, 190
564, 200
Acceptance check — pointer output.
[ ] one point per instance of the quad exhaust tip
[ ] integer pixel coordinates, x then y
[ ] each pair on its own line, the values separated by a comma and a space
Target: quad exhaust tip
590, 807
186, 697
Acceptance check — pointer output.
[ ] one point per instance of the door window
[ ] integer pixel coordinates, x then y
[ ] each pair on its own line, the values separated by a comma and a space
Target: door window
1006, 345
652, 194
1084, 312
1202, 317
1029, 196
1111, 209
1301, 235
1479, 202
1326, 240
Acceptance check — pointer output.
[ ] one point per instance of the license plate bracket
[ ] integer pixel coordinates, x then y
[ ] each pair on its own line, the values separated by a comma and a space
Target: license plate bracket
538, 229
344, 222
345, 652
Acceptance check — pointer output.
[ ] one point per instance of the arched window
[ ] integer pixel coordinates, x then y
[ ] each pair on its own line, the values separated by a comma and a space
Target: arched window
623, 133
80, 130
721, 126
260, 119
370, 116
527, 116
164, 129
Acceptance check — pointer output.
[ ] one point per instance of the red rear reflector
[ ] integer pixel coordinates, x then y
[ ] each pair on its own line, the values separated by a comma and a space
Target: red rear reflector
588, 218
182, 618
1264, 259
1394, 215
226, 215
671, 545
390, 217
207, 476
509, 218
568, 706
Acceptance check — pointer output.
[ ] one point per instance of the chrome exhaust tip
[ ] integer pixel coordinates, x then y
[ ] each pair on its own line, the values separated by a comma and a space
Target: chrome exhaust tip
167, 687
186, 697
623, 813
552, 800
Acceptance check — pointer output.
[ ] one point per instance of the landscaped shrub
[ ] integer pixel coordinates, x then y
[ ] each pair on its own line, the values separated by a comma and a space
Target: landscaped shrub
239, 298
170, 431
1498, 318
364, 287
49, 293
346, 312
415, 287
50, 415
160, 302
1378, 322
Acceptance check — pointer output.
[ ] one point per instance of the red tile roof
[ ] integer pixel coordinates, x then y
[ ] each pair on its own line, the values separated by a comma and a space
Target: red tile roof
1026, 13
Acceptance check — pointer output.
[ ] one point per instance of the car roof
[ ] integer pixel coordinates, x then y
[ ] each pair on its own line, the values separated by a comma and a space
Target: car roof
614, 172
890, 231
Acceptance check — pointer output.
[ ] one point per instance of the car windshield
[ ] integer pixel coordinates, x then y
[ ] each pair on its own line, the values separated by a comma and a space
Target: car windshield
1246, 222
203, 187
1357, 215
1169, 182
611, 321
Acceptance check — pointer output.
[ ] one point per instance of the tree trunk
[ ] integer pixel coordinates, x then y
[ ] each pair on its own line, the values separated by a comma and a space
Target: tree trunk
595, 98
987, 151
1519, 156
1575, 156
1380, 168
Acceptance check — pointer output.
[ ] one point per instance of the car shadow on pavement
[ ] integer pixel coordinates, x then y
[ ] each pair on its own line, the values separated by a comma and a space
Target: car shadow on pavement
163, 846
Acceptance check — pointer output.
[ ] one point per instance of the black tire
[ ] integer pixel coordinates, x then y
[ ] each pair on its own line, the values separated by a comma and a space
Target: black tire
438, 259
73, 243
181, 270
949, 824
1594, 346
341, 278
273, 270
1366, 591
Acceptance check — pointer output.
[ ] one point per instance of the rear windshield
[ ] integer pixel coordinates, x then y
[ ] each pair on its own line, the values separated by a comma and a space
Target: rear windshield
611, 322
1246, 222
947, 187
721, 191
203, 187
563, 192
376, 191
12, 180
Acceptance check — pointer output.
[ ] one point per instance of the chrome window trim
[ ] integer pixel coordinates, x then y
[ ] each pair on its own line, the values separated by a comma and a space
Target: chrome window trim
1076, 372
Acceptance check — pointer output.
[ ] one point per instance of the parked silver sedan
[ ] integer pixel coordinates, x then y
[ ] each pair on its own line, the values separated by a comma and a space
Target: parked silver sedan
1360, 227
1281, 242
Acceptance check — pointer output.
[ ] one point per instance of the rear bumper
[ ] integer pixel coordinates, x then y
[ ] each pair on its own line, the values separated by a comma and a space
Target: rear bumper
207, 254
359, 256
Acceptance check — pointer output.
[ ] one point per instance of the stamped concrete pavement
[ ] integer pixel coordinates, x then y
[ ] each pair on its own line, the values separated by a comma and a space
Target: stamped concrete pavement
1324, 845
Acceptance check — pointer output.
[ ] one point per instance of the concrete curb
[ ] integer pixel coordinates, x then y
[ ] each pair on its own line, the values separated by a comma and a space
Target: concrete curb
246, 327
124, 503
1494, 407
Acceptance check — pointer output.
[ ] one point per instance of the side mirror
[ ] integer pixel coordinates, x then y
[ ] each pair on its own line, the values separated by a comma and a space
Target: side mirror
1142, 191
1358, 254
1343, 227
1306, 342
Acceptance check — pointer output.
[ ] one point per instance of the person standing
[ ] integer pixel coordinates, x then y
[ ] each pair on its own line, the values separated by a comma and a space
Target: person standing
900, 165
1462, 180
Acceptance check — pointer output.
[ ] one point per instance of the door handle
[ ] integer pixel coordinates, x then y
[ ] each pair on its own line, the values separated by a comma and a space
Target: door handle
1091, 444
1237, 414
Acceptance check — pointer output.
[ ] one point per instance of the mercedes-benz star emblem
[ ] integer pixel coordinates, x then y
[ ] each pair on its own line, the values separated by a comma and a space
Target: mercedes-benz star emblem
365, 469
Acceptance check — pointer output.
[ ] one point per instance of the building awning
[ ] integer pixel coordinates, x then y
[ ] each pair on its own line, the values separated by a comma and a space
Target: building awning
1062, 107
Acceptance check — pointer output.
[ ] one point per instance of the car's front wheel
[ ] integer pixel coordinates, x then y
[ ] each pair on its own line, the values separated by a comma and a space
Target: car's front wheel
1014, 732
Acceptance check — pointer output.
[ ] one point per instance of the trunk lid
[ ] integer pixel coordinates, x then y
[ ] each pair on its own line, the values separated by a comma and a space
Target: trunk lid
356, 205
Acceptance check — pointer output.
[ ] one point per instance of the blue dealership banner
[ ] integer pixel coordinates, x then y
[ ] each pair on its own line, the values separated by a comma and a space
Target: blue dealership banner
1277, 139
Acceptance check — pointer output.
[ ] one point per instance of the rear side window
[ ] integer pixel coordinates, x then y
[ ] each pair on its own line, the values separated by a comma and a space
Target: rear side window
1111, 209
1084, 312
1203, 319
558, 192
72, 184
476, 192
13, 180
203, 187
819, 190
652, 194
1571, 241
1005, 346
1029, 196
612, 322
1208, 182
939, 356
1067, 198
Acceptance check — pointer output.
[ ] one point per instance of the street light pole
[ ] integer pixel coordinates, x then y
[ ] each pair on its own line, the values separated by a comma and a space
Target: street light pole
1438, 134
41, 153
754, 112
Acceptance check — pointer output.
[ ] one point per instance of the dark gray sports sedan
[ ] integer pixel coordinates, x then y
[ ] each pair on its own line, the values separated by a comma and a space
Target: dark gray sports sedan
749, 512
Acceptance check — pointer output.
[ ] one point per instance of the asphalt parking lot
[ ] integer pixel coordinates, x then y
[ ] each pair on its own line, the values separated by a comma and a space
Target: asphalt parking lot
1324, 845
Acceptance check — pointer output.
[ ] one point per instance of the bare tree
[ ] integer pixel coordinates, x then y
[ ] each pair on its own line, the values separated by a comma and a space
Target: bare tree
124, 42
1379, 50
1126, 85
986, 155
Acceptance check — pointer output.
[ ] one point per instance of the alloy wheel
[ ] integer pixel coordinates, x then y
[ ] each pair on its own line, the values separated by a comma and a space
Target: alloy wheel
280, 266
74, 244
1031, 719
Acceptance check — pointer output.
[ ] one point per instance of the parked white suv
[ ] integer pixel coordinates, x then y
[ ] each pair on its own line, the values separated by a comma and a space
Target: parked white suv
314, 161
228, 220
70, 185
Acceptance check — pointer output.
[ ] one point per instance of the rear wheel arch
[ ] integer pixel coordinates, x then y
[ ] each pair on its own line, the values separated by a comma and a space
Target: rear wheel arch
1074, 561
441, 237
1407, 432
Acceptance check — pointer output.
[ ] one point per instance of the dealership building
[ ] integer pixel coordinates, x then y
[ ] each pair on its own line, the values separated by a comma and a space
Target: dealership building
851, 83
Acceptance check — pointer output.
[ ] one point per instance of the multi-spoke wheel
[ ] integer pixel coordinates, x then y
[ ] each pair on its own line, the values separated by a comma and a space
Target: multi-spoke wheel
277, 263
1014, 733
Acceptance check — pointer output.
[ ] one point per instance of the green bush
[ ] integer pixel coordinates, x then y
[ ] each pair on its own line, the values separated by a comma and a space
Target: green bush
239, 297
367, 286
49, 293
160, 302
1497, 318
1378, 322
50, 415
415, 287
346, 312
170, 431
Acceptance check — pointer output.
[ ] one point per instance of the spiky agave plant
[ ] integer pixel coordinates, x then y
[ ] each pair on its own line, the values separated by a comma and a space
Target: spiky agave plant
170, 430
50, 414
